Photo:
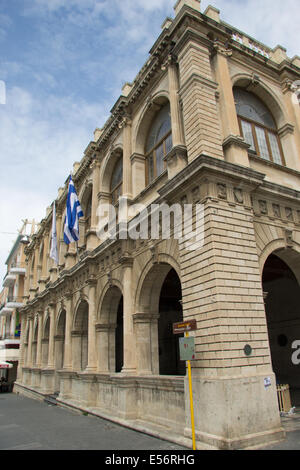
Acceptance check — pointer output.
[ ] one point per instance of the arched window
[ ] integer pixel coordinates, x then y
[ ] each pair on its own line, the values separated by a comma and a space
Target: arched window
159, 143
258, 126
88, 213
116, 181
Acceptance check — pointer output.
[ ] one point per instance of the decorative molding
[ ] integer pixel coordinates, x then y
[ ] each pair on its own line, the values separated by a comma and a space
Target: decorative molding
222, 49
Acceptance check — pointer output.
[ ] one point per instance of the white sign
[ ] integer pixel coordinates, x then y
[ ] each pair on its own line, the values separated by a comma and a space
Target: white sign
267, 382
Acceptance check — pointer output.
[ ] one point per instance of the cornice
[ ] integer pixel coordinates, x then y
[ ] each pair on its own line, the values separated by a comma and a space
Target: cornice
213, 165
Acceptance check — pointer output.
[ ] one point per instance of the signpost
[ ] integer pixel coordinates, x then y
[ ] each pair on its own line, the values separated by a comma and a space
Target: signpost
187, 353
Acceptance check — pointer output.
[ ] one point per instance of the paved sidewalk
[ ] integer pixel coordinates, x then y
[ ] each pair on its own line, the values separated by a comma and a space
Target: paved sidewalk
27, 424
291, 424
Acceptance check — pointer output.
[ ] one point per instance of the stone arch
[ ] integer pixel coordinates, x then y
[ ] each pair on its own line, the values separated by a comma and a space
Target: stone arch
148, 113
106, 304
265, 94
291, 256
80, 335
59, 343
281, 286
46, 326
35, 340
145, 301
110, 328
45, 339
108, 167
80, 316
60, 321
157, 306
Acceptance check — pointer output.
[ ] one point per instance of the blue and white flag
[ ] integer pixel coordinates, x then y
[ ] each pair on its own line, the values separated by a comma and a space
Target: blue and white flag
73, 213
53, 249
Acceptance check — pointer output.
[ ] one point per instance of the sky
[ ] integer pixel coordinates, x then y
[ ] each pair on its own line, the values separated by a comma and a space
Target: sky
62, 67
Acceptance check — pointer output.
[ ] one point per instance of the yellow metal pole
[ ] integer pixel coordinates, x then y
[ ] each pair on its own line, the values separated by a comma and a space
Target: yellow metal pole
191, 400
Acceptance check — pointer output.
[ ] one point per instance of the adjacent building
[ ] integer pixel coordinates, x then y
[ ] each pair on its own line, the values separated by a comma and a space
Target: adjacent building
211, 123
11, 301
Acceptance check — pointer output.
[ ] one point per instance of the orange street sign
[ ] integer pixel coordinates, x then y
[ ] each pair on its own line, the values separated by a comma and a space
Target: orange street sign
184, 326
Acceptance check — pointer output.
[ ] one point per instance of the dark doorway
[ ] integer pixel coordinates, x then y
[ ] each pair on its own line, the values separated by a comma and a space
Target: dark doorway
170, 311
282, 305
119, 337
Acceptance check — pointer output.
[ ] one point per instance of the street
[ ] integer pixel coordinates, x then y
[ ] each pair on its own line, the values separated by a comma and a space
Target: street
27, 424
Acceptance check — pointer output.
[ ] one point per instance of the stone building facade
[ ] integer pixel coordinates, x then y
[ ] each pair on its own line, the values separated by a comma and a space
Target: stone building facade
211, 120
11, 301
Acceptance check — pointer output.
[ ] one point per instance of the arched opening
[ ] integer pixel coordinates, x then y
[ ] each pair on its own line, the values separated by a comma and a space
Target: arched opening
282, 299
59, 340
45, 343
34, 344
80, 337
110, 331
59, 347
119, 338
170, 311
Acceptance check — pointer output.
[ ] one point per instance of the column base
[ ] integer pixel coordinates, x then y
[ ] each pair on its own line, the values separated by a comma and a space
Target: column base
234, 412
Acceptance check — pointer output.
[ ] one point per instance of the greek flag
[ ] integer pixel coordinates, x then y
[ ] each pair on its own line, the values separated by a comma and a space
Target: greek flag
73, 213
53, 250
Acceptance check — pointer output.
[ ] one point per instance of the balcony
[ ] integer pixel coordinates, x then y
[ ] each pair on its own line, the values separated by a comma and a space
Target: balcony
7, 308
17, 268
4, 310
9, 280
14, 302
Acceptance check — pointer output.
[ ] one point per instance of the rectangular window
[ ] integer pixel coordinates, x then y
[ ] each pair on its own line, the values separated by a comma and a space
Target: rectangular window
275, 148
150, 167
262, 143
247, 133
159, 159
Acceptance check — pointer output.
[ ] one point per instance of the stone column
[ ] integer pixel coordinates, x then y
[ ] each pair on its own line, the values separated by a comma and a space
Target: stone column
176, 119
68, 304
51, 359
13, 325
142, 323
22, 348
235, 148
92, 239
92, 357
289, 133
127, 151
129, 365
177, 159
39, 340
103, 331
29, 350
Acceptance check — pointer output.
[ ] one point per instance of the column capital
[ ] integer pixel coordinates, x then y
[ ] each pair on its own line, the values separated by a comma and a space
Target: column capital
222, 49
125, 121
126, 261
171, 59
